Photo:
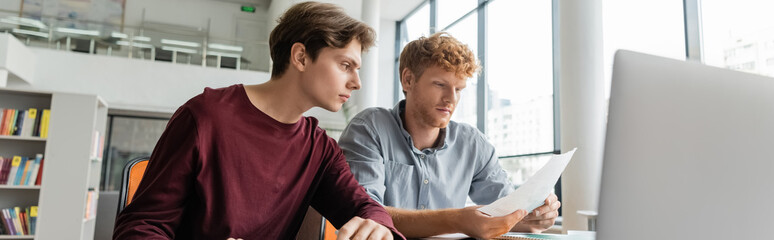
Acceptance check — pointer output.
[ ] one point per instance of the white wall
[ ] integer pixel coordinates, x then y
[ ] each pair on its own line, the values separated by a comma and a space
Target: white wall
16, 61
10, 5
130, 84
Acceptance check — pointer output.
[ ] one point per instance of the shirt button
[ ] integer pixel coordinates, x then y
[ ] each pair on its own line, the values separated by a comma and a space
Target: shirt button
426, 181
422, 156
422, 207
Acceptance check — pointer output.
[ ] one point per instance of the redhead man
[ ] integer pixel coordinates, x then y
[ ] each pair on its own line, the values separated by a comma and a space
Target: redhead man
421, 165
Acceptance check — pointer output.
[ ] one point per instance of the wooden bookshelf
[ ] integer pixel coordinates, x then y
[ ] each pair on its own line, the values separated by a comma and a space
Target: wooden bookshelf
68, 170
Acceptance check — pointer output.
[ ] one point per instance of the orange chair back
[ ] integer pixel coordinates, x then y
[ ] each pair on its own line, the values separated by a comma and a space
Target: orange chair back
330, 231
135, 175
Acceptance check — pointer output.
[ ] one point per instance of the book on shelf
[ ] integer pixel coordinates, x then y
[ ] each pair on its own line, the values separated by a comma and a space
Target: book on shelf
19, 221
16, 222
24, 122
97, 145
33, 218
15, 162
5, 171
22, 175
44, 123
35, 170
29, 122
7, 222
91, 204
36, 126
40, 172
21, 171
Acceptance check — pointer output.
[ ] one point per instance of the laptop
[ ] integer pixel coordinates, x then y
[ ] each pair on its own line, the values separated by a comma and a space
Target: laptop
689, 152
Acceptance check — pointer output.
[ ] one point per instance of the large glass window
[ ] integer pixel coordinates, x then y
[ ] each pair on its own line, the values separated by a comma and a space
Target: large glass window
466, 31
654, 27
129, 138
739, 35
519, 68
415, 25
452, 10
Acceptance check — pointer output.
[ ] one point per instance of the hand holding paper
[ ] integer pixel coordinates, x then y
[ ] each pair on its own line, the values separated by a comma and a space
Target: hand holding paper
531, 194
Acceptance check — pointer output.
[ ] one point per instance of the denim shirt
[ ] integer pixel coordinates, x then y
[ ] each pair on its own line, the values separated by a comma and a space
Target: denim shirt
382, 156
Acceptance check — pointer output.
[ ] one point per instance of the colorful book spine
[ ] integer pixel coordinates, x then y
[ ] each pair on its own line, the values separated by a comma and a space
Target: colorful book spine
33, 219
44, 123
14, 169
28, 172
19, 123
6, 170
40, 172
16, 221
29, 122
8, 221
2, 169
20, 171
35, 170
36, 127
3, 121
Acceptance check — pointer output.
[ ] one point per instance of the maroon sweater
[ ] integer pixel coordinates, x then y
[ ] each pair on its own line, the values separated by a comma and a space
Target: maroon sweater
223, 168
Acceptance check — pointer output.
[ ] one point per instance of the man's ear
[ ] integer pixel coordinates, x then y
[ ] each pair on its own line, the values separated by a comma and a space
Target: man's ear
407, 79
298, 56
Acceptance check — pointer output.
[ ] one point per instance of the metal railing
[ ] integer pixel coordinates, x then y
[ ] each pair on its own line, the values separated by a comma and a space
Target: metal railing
152, 41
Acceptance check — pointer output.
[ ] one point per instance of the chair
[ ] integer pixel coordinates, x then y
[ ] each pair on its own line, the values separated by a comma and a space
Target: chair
135, 169
133, 173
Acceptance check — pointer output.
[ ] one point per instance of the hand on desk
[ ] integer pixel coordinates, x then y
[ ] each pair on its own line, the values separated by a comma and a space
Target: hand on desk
359, 228
542, 218
476, 224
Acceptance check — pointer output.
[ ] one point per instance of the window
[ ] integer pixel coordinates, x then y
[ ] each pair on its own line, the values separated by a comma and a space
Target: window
415, 26
466, 31
738, 35
452, 10
520, 77
128, 138
654, 27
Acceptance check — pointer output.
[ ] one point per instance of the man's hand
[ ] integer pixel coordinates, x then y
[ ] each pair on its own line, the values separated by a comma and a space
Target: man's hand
476, 224
542, 218
362, 229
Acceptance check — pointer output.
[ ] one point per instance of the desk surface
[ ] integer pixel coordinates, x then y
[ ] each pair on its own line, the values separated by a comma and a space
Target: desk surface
572, 235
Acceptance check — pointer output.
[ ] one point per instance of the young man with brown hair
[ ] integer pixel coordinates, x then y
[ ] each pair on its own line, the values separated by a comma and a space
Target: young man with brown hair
242, 161
421, 165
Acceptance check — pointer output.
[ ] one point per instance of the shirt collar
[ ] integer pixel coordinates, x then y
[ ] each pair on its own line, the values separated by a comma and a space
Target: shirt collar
397, 113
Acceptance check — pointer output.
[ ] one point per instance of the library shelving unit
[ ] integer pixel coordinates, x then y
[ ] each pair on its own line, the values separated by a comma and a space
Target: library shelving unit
70, 170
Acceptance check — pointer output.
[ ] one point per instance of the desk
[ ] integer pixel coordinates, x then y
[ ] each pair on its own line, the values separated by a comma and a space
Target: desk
572, 235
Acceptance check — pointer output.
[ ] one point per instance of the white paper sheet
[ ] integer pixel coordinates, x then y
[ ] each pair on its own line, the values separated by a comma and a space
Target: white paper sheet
532, 193
447, 236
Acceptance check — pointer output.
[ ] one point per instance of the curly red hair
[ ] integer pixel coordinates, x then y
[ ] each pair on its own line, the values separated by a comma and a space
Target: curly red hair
442, 50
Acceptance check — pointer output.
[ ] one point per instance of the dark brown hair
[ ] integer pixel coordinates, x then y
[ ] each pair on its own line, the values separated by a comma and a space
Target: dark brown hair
316, 25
